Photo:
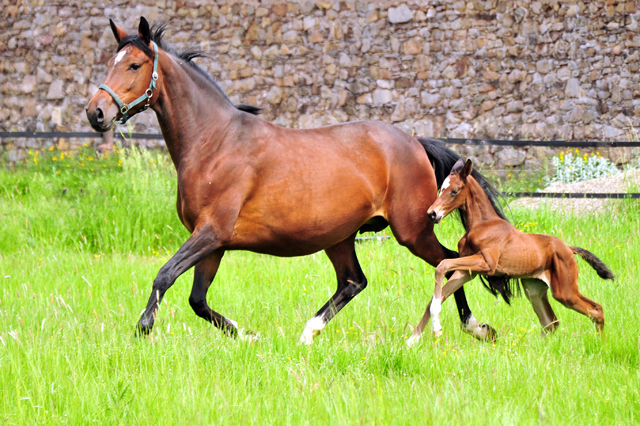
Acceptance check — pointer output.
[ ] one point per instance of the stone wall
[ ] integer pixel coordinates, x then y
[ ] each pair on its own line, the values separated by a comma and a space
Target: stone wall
485, 69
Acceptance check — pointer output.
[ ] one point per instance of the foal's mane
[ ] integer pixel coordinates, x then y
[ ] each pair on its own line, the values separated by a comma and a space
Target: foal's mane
158, 31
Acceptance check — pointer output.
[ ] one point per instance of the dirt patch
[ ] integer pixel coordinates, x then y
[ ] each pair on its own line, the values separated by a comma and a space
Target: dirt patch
621, 183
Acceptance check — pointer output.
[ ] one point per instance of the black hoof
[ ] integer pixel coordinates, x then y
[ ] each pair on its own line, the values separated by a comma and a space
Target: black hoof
143, 328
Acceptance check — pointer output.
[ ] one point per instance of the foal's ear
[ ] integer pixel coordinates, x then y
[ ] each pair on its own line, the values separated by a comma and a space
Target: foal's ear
468, 168
118, 33
458, 166
143, 30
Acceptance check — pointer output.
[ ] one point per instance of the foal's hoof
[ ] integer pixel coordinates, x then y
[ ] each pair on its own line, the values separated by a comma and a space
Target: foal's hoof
437, 333
413, 340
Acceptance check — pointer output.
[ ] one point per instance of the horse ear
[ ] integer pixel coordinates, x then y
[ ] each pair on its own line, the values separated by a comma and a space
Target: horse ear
468, 168
458, 166
144, 31
118, 33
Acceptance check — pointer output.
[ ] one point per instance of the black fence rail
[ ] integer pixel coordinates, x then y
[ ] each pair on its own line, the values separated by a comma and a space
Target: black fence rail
480, 142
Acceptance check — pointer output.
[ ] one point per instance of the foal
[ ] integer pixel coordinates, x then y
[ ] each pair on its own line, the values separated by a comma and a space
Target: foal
493, 247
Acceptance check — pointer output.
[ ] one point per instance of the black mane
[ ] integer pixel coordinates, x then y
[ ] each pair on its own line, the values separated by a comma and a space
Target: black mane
158, 31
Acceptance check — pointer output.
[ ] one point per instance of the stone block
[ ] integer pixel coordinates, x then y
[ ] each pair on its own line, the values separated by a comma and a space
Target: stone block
56, 90
400, 14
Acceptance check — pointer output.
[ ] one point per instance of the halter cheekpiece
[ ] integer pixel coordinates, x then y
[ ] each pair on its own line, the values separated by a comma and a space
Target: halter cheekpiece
148, 94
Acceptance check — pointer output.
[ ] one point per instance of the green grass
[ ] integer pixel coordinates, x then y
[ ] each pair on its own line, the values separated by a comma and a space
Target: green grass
68, 307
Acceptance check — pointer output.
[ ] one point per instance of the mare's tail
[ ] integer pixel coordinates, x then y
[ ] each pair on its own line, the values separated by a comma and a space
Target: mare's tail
597, 264
442, 159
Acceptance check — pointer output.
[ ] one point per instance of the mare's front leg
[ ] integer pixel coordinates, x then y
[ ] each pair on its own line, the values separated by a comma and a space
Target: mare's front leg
201, 244
205, 272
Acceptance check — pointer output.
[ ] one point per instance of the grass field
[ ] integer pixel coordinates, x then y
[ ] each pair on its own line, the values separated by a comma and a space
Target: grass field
82, 238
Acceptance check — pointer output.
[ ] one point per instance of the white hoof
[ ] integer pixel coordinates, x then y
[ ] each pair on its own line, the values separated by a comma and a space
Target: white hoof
438, 332
307, 336
245, 336
313, 327
479, 330
411, 341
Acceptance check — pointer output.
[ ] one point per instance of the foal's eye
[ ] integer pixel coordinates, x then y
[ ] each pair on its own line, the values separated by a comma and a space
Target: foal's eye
134, 67
455, 192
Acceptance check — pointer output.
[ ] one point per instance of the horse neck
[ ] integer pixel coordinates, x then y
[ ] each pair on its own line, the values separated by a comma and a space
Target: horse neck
477, 207
191, 112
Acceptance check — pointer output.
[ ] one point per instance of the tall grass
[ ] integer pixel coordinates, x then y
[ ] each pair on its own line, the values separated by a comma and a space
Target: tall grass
120, 202
68, 308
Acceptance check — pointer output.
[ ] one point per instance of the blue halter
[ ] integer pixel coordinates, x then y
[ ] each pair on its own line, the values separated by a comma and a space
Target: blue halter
148, 94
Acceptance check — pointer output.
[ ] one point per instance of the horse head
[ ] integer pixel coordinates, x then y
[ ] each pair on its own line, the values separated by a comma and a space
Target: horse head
453, 193
130, 85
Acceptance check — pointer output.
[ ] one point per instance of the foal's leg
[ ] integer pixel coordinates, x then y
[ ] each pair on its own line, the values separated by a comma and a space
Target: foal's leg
426, 246
204, 273
351, 281
200, 245
455, 283
475, 263
565, 290
536, 292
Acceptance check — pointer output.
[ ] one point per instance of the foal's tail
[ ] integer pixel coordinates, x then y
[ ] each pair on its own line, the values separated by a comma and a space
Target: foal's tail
597, 264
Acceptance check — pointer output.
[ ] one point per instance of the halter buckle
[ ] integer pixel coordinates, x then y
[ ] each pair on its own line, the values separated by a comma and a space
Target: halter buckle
154, 76
124, 109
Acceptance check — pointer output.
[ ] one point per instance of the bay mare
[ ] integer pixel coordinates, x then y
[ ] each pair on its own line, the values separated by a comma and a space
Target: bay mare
247, 184
493, 247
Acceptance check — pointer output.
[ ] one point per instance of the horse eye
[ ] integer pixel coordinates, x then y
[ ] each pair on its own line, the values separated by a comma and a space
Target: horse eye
455, 192
134, 67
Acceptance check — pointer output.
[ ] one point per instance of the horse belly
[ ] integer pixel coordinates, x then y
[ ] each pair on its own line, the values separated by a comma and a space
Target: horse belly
286, 229
523, 259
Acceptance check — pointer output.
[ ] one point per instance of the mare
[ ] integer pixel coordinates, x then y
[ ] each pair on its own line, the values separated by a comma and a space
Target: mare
247, 184
492, 246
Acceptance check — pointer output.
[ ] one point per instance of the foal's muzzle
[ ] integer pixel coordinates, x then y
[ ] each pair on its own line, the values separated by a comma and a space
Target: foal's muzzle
433, 215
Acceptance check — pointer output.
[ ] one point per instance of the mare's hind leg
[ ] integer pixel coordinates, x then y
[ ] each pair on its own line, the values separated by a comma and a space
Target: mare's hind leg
351, 281
204, 273
426, 246
536, 292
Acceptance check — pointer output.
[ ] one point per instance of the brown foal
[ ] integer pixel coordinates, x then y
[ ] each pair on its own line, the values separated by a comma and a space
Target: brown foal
493, 247
247, 184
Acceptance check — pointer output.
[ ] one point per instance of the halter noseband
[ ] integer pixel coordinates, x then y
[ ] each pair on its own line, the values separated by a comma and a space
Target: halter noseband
148, 94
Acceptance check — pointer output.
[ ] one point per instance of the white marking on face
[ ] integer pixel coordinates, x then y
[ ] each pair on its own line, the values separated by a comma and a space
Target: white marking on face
446, 183
119, 56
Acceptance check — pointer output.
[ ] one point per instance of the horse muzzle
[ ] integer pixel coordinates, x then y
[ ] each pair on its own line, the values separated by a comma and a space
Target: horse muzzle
101, 113
435, 216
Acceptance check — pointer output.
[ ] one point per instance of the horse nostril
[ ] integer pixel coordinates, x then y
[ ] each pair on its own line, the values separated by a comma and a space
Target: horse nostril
432, 215
99, 116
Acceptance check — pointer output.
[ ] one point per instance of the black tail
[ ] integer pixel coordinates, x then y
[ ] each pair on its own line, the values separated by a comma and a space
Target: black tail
602, 270
442, 159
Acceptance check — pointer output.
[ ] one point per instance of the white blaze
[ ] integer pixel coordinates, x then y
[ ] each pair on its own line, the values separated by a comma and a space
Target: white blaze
120, 55
445, 185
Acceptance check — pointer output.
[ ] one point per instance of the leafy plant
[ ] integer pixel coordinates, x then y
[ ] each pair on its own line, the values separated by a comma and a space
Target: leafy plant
570, 168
